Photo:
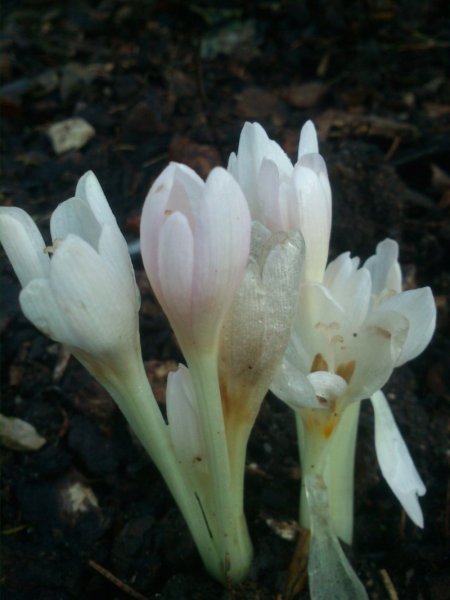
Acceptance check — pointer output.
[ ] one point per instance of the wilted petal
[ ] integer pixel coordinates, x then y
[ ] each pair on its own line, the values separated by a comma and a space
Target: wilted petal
257, 327
419, 308
23, 244
329, 572
395, 461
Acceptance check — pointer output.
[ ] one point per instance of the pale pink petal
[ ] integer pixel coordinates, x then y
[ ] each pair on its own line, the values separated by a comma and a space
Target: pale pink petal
221, 245
176, 272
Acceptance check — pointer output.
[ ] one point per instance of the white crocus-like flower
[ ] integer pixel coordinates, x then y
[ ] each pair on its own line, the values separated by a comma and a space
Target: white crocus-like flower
81, 290
195, 240
351, 331
284, 197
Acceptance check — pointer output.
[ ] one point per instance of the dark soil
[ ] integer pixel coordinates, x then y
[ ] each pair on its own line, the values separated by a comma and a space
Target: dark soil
164, 81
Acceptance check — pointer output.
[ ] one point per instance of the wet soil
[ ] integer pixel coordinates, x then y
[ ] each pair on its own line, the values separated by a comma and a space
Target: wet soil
87, 515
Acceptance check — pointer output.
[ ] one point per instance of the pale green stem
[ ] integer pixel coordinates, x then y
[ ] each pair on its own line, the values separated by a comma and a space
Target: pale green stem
226, 513
333, 459
128, 385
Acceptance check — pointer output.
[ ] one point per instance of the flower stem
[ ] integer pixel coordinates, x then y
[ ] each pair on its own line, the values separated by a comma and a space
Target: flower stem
129, 387
228, 524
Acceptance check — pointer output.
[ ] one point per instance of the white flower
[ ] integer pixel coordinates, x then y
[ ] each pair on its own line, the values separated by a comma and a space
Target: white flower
195, 240
284, 197
351, 331
80, 291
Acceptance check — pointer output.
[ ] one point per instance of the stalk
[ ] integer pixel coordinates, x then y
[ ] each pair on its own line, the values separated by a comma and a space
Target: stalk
129, 387
231, 539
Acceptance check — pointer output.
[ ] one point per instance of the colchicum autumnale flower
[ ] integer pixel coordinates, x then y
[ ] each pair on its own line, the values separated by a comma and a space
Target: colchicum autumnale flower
221, 284
81, 292
353, 326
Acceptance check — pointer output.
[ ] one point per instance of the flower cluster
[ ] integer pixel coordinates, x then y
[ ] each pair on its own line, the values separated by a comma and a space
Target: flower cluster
239, 265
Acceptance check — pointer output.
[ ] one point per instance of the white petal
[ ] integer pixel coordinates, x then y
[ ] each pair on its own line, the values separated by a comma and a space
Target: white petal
38, 304
327, 386
308, 140
384, 268
100, 316
419, 308
89, 189
182, 415
374, 350
254, 146
315, 211
23, 244
395, 461
114, 249
293, 387
75, 216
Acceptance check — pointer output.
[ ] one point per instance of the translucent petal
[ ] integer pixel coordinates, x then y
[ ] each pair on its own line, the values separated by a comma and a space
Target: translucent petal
419, 308
374, 351
384, 268
293, 387
395, 461
23, 244
330, 575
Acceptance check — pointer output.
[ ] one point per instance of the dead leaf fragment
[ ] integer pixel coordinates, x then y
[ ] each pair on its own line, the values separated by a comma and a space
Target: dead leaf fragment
16, 434
70, 134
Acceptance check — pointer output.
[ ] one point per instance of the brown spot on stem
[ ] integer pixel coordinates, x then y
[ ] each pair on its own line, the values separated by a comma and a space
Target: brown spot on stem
159, 188
168, 212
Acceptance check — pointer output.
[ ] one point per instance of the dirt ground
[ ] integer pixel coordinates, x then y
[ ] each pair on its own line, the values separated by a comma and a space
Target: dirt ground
162, 81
